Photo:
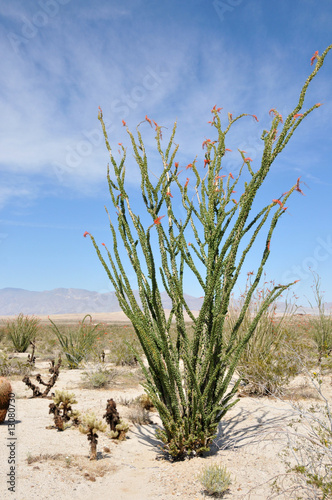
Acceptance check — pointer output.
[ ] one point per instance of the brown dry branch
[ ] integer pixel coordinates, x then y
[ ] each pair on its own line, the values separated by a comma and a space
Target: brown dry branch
36, 391
32, 357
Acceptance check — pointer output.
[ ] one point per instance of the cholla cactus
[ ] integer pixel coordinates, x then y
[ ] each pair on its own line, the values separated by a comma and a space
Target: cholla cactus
222, 232
90, 425
120, 431
62, 409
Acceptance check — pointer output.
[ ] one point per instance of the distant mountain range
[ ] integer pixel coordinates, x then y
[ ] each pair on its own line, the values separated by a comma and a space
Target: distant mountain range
14, 301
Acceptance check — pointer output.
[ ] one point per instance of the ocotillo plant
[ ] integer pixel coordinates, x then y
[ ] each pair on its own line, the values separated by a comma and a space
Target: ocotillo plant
191, 401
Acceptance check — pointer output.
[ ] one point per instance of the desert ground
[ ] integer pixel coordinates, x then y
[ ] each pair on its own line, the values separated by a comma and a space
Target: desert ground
53, 464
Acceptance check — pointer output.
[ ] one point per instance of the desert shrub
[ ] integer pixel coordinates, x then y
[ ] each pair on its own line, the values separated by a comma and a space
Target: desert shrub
139, 416
122, 353
10, 367
77, 343
21, 331
97, 377
267, 363
321, 325
141, 406
215, 479
308, 455
2, 332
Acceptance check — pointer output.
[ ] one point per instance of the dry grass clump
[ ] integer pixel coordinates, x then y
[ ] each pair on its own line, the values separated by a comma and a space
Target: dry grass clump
98, 376
215, 479
14, 367
140, 416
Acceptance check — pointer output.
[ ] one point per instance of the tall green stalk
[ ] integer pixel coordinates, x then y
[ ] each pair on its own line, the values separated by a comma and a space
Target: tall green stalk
188, 379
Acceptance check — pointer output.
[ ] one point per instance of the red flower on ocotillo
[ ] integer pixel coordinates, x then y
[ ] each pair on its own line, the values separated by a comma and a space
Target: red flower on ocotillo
148, 120
124, 123
231, 175
297, 115
247, 159
158, 219
280, 203
187, 182
297, 188
86, 234
215, 109
255, 117
314, 57
205, 143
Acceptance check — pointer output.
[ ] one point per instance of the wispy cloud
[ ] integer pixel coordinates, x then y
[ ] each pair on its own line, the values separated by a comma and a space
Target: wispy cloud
50, 92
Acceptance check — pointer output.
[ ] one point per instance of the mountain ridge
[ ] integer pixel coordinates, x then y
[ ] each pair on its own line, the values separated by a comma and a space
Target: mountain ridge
14, 301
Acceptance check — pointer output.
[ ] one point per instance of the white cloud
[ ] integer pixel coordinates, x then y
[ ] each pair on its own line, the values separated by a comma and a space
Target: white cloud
51, 91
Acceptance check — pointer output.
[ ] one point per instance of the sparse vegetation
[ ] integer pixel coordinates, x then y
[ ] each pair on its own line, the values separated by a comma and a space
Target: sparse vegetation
13, 367
98, 376
78, 343
267, 363
321, 325
138, 410
308, 455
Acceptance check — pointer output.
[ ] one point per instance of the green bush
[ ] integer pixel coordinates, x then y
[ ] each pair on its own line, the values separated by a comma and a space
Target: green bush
21, 331
79, 343
98, 377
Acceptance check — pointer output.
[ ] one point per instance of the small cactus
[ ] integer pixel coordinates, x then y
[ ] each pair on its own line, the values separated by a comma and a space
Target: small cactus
120, 431
112, 415
90, 425
5, 394
62, 409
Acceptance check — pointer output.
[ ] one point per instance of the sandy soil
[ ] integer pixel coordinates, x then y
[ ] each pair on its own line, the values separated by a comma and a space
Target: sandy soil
52, 464
113, 317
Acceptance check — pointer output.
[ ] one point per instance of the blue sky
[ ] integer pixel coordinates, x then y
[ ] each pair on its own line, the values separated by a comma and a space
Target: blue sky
171, 60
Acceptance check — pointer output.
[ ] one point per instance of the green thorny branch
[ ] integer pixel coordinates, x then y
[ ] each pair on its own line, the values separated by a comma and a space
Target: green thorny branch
191, 399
